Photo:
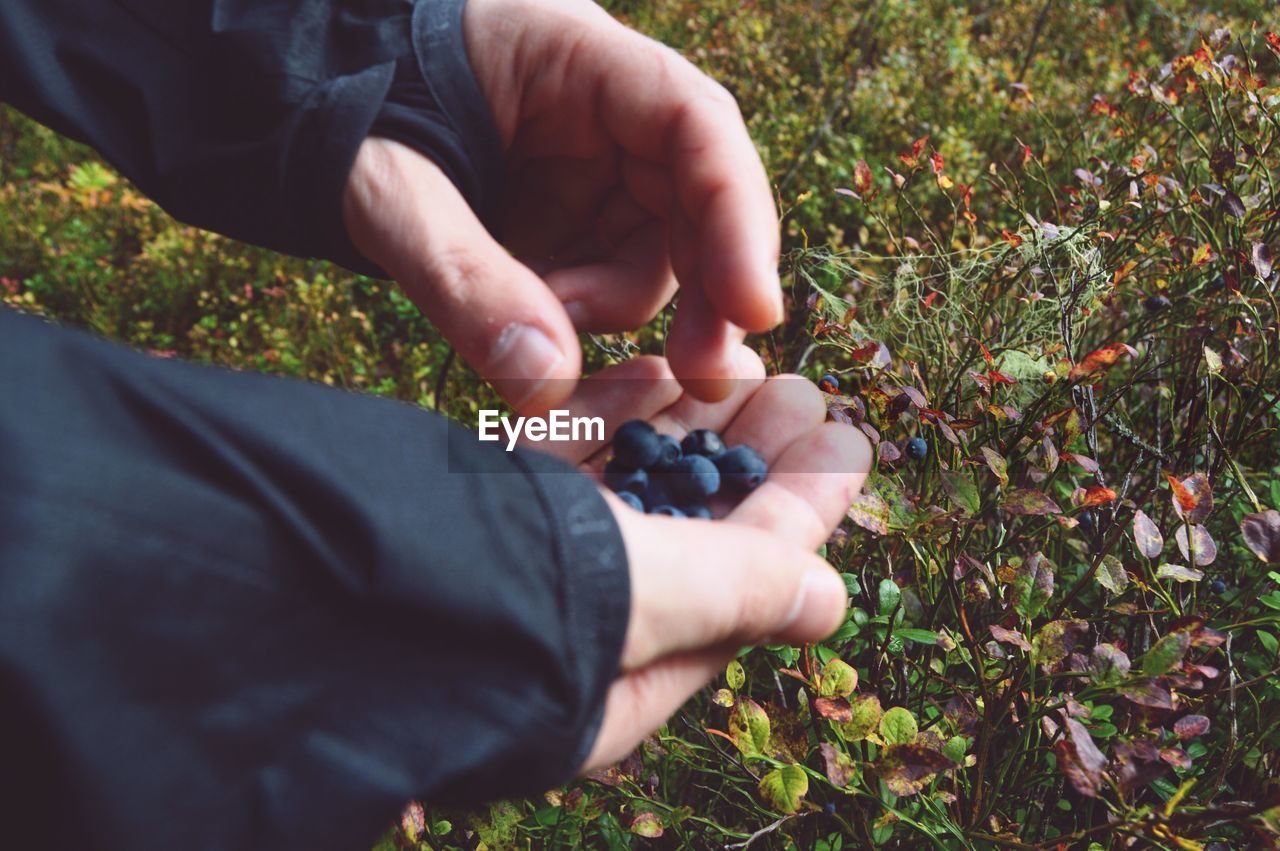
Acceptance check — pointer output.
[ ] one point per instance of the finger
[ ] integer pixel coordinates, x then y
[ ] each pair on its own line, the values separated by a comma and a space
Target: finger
684, 413
662, 109
696, 584
640, 702
640, 387
623, 293
498, 314
811, 486
701, 346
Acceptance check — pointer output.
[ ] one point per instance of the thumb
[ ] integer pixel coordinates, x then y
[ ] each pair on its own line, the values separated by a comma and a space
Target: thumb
697, 586
405, 215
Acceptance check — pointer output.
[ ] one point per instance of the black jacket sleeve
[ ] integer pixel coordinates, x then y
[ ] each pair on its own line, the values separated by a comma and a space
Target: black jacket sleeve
239, 611
244, 116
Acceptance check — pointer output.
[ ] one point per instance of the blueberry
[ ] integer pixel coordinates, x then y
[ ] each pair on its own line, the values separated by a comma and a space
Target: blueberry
917, 448
1156, 303
1217, 586
829, 384
741, 468
701, 512
636, 444
702, 441
692, 479
668, 511
632, 500
658, 493
618, 477
829, 808
1088, 521
669, 451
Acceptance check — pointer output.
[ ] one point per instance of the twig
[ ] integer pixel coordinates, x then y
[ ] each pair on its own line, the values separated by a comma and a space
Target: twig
764, 831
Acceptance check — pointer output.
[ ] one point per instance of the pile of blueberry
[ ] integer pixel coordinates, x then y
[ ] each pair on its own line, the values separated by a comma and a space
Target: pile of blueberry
654, 473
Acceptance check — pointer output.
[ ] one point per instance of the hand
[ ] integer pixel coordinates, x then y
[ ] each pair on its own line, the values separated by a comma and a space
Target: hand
627, 170
701, 590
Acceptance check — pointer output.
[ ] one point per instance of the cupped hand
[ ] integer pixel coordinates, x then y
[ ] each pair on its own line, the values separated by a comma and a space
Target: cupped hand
701, 590
628, 171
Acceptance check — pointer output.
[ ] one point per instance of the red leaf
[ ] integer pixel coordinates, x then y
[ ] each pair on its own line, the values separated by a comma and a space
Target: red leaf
1190, 726
1010, 636
1192, 497
1080, 759
1206, 548
1097, 495
1262, 534
1101, 359
862, 177
1149, 693
906, 769
834, 708
936, 161
1262, 261
912, 159
1083, 461
837, 765
1146, 535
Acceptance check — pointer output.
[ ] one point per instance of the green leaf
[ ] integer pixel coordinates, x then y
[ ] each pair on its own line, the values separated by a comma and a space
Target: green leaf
749, 728
955, 748
889, 595
920, 636
1268, 642
963, 492
735, 675
839, 679
785, 787
865, 718
1112, 575
898, 726
1029, 501
1166, 654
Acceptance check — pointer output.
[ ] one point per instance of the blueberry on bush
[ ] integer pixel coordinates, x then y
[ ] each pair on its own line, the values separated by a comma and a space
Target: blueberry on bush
702, 441
618, 477
1217, 586
699, 511
1088, 522
1156, 303
668, 511
829, 384
636, 444
917, 448
741, 468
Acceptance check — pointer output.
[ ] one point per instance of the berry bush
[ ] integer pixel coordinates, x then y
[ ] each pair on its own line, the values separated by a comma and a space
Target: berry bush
1030, 254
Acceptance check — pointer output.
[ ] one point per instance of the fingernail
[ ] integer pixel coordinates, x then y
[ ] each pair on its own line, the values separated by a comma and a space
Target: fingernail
821, 593
521, 362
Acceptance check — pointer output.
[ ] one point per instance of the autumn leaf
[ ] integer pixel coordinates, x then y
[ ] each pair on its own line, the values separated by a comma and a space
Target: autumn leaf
1149, 693
1112, 575
1206, 549
1055, 641
1166, 654
648, 825
912, 158
839, 679
835, 709
749, 728
908, 768
997, 464
1190, 726
1202, 255
1100, 360
1030, 502
1010, 636
870, 511
1032, 586
1179, 573
1262, 261
1080, 759
862, 177
1262, 534
1192, 497
1146, 535
1108, 665
1097, 495
837, 765
962, 491
865, 719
